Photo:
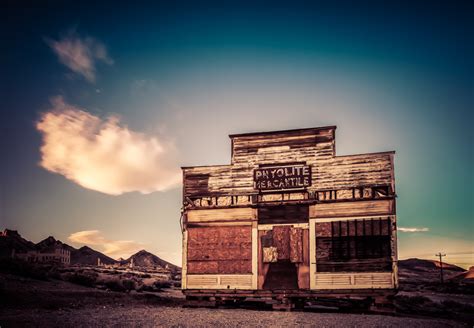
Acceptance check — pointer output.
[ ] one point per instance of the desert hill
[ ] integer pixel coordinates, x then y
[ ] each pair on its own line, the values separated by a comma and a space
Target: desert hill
147, 259
425, 271
464, 277
11, 240
423, 265
87, 255
50, 243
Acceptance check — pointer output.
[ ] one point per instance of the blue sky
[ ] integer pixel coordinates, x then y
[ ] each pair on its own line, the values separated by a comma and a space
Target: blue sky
165, 84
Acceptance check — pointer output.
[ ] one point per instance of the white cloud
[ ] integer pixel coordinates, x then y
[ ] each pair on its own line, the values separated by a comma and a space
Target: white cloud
412, 229
80, 55
113, 248
102, 155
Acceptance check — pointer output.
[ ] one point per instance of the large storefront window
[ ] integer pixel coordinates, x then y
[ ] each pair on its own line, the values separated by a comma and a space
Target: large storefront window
361, 245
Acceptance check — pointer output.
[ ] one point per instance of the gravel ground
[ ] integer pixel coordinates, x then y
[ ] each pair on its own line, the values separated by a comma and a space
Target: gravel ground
31, 303
154, 316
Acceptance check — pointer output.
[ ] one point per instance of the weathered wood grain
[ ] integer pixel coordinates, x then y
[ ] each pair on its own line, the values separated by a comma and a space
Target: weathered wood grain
222, 214
296, 245
303, 267
281, 240
352, 171
315, 147
347, 209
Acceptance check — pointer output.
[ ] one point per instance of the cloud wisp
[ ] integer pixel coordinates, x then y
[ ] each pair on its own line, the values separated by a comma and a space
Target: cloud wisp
112, 248
104, 155
80, 55
412, 229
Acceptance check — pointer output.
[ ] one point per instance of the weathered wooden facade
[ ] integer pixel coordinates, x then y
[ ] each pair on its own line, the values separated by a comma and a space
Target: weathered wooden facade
289, 217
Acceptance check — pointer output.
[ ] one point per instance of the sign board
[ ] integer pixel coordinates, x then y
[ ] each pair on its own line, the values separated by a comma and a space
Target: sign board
282, 177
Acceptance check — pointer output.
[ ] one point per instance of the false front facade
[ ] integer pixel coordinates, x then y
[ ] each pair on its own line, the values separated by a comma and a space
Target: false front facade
288, 214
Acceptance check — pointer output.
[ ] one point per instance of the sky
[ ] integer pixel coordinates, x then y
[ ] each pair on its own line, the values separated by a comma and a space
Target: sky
103, 102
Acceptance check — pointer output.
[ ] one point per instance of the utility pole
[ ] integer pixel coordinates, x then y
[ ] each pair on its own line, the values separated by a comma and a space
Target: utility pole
441, 265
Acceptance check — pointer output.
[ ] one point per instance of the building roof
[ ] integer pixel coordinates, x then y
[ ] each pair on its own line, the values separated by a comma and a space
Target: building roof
249, 134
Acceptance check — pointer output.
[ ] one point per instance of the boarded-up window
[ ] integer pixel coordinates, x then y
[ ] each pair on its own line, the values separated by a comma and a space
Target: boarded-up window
283, 243
354, 246
224, 250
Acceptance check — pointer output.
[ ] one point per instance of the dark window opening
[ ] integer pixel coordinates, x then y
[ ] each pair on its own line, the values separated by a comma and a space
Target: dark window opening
354, 246
283, 214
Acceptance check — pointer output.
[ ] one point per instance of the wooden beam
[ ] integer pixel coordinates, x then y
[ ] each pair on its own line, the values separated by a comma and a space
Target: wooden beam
347, 209
254, 255
224, 214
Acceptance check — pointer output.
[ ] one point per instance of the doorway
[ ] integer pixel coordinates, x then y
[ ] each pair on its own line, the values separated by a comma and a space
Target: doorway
283, 257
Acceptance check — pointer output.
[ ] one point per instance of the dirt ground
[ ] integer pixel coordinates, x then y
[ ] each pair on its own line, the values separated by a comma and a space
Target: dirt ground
164, 316
31, 303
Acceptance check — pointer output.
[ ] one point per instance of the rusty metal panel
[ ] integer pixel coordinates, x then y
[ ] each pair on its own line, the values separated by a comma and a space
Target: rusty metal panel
234, 266
281, 240
323, 229
202, 267
219, 253
262, 267
303, 267
267, 238
296, 245
227, 249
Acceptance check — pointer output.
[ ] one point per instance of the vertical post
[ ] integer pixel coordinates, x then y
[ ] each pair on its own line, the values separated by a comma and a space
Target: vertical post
255, 252
441, 265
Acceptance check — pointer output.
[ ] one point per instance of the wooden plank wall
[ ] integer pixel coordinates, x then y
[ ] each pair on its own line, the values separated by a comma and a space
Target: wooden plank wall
348, 209
315, 147
290, 146
353, 171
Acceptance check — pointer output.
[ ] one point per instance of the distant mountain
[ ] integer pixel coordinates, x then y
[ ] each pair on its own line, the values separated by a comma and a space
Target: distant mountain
423, 265
425, 271
464, 277
50, 243
87, 255
147, 259
11, 240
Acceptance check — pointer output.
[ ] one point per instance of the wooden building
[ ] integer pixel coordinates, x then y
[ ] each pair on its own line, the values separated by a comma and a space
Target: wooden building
289, 220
